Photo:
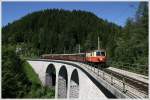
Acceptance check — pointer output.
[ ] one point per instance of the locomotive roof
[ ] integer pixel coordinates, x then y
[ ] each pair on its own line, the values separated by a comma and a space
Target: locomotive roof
95, 50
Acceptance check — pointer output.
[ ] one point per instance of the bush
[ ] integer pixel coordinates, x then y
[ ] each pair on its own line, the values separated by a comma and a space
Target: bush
19, 79
14, 81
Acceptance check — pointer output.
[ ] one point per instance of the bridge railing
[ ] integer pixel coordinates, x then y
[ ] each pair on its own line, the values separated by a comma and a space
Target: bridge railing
118, 83
136, 68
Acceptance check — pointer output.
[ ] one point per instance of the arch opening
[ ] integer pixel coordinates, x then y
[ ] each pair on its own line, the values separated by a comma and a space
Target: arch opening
74, 85
50, 80
62, 82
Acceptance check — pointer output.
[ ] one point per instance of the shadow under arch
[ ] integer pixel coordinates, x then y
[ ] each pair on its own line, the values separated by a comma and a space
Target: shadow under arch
62, 82
74, 84
50, 79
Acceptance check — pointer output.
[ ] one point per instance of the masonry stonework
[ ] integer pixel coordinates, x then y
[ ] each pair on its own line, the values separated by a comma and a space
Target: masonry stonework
83, 89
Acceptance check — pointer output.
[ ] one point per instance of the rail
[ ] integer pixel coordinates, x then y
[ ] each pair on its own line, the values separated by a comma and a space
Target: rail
119, 84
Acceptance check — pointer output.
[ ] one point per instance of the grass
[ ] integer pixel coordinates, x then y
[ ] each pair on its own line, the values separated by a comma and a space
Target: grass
32, 76
41, 92
36, 89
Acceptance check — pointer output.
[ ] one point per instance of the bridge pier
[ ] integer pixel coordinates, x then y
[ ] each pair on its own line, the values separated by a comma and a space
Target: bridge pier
50, 78
70, 81
74, 85
56, 87
62, 82
69, 76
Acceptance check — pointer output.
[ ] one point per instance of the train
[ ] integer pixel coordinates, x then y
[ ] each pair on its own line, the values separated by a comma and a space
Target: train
97, 57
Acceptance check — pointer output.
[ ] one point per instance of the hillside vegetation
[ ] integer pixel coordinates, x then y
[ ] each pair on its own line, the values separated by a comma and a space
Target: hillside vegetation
54, 30
19, 79
59, 31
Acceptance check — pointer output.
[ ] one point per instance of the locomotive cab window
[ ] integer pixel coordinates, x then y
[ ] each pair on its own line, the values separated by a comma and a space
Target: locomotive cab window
102, 53
98, 53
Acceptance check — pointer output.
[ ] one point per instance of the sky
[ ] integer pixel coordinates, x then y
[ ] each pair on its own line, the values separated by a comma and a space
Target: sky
116, 12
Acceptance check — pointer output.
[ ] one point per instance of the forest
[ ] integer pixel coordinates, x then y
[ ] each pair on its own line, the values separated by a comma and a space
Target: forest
61, 31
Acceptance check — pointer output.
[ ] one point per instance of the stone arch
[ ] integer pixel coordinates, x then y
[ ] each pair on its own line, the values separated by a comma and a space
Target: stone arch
74, 84
62, 82
50, 79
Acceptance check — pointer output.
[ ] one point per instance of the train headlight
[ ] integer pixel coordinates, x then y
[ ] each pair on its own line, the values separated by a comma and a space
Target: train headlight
100, 59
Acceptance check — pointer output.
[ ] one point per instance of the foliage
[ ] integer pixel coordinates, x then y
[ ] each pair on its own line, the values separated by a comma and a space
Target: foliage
14, 82
56, 31
132, 44
30, 73
40, 92
18, 78
36, 89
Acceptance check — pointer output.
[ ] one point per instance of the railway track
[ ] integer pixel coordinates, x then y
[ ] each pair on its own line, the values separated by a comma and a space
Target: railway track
142, 86
134, 86
139, 85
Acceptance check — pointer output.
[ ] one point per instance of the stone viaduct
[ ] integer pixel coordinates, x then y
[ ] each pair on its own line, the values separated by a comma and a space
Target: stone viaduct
67, 80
